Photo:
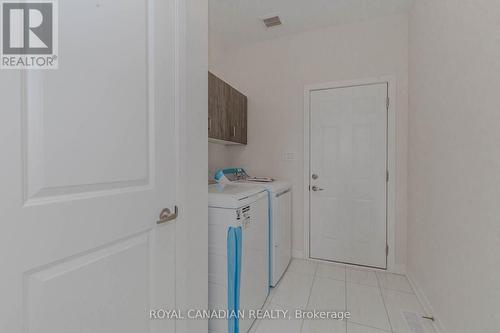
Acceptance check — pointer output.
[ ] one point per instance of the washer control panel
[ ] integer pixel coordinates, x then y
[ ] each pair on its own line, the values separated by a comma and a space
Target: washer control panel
243, 216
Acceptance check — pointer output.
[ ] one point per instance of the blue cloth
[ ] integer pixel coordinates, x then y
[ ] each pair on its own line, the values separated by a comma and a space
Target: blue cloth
234, 243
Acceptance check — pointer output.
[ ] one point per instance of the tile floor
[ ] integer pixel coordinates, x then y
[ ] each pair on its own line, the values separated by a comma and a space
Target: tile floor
376, 300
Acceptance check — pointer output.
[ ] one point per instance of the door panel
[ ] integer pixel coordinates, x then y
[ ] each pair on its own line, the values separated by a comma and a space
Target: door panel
98, 275
89, 150
349, 155
91, 106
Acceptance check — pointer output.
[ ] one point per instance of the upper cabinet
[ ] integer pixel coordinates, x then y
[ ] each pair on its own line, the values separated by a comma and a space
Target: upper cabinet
227, 113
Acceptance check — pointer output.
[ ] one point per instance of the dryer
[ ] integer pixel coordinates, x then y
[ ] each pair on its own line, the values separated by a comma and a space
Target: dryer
238, 252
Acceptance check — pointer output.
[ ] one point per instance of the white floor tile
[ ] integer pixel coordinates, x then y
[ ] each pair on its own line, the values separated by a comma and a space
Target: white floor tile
302, 266
322, 287
254, 327
394, 282
355, 328
279, 326
366, 306
291, 325
362, 276
399, 302
327, 295
331, 271
428, 326
272, 292
324, 326
293, 290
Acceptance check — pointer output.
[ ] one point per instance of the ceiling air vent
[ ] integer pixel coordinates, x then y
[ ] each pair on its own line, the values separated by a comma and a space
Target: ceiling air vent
272, 21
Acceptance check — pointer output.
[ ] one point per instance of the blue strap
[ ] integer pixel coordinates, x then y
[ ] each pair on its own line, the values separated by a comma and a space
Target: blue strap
234, 241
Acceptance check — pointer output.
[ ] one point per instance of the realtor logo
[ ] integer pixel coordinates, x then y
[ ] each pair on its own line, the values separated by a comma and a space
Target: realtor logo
29, 34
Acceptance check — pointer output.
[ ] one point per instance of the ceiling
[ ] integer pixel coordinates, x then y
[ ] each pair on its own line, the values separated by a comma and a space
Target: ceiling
238, 22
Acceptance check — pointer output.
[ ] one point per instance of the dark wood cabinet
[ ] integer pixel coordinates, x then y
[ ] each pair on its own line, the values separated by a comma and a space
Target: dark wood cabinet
227, 113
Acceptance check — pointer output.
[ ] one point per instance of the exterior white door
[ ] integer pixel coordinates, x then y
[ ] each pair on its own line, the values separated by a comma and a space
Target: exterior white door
348, 165
88, 162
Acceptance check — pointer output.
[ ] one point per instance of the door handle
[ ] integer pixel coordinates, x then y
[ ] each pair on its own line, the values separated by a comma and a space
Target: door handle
316, 188
166, 215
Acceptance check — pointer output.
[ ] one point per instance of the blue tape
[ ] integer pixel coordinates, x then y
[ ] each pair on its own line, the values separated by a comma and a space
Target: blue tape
234, 244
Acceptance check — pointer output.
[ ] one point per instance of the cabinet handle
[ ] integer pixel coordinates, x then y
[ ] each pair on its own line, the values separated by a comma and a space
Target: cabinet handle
209, 123
234, 130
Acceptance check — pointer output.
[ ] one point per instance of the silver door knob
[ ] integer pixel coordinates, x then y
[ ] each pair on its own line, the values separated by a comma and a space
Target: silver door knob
316, 188
166, 215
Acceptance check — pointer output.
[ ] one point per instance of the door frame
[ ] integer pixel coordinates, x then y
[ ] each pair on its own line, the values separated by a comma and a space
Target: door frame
391, 159
191, 131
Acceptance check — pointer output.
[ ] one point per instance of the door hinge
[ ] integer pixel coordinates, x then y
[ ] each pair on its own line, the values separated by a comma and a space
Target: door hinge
387, 175
388, 102
386, 250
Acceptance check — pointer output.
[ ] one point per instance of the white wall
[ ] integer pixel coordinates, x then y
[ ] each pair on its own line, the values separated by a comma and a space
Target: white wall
273, 75
218, 157
454, 161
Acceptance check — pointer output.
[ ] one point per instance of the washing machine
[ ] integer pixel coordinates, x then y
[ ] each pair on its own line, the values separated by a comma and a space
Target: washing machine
238, 251
279, 217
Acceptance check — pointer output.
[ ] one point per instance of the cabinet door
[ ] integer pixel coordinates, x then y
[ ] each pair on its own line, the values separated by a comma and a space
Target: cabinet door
238, 116
243, 119
212, 105
218, 95
233, 115
227, 112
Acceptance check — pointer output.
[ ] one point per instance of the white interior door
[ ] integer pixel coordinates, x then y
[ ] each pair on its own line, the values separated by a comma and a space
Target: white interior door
348, 164
88, 154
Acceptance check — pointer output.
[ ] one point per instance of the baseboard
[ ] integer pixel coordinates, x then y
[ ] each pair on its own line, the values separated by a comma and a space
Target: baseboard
299, 254
437, 324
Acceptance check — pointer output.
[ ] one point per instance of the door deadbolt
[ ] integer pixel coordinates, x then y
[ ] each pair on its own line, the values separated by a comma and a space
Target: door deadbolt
314, 176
